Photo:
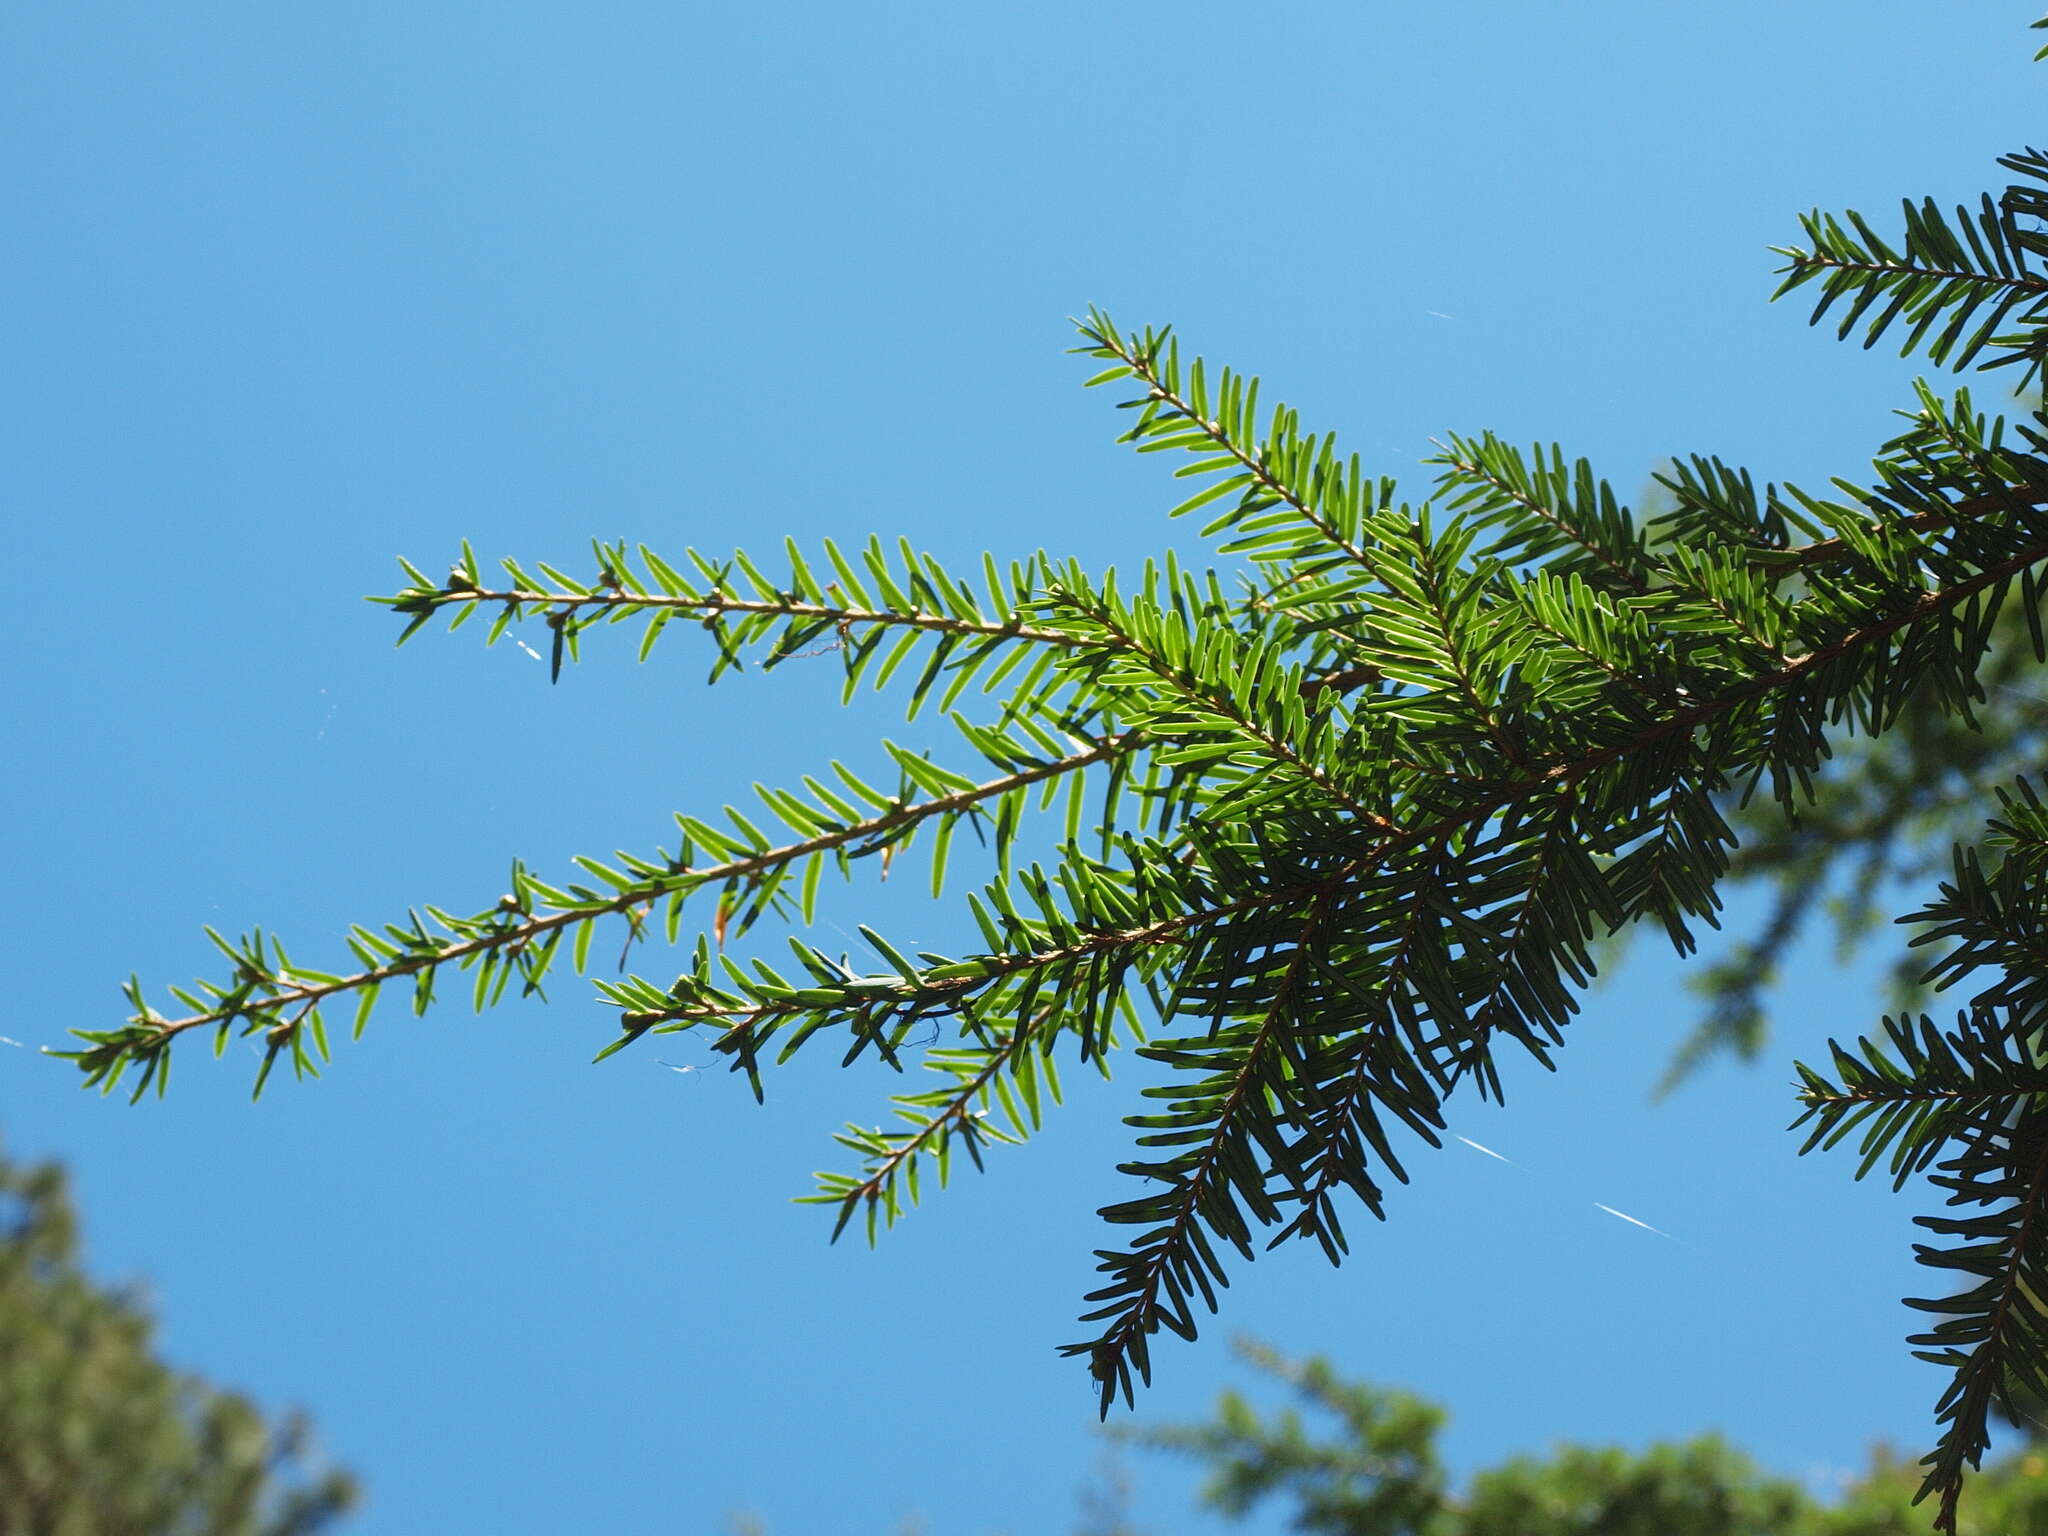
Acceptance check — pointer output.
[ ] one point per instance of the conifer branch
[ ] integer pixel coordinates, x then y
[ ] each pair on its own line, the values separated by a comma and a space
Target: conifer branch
2012, 1325
946, 987
1483, 806
715, 604
1174, 1258
1947, 274
1815, 262
1228, 703
261, 999
1831, 551
892, 1154
263, 995
1347, 1118
1143, 365
1494, 476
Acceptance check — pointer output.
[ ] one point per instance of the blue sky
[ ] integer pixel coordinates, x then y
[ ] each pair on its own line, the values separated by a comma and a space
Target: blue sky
296, 290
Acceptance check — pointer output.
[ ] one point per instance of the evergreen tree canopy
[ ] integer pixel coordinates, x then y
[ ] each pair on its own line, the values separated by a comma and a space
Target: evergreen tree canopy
1336, 829
97, 1436
1363, 1462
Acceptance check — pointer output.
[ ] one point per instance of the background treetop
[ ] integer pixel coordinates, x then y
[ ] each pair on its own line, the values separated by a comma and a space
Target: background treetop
99, 1436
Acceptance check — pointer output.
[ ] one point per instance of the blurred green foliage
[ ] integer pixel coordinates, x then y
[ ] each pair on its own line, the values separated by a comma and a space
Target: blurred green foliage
1363, 1461
98, 1437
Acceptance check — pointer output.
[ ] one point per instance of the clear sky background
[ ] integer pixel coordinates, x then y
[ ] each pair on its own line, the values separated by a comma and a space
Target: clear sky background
292, 290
